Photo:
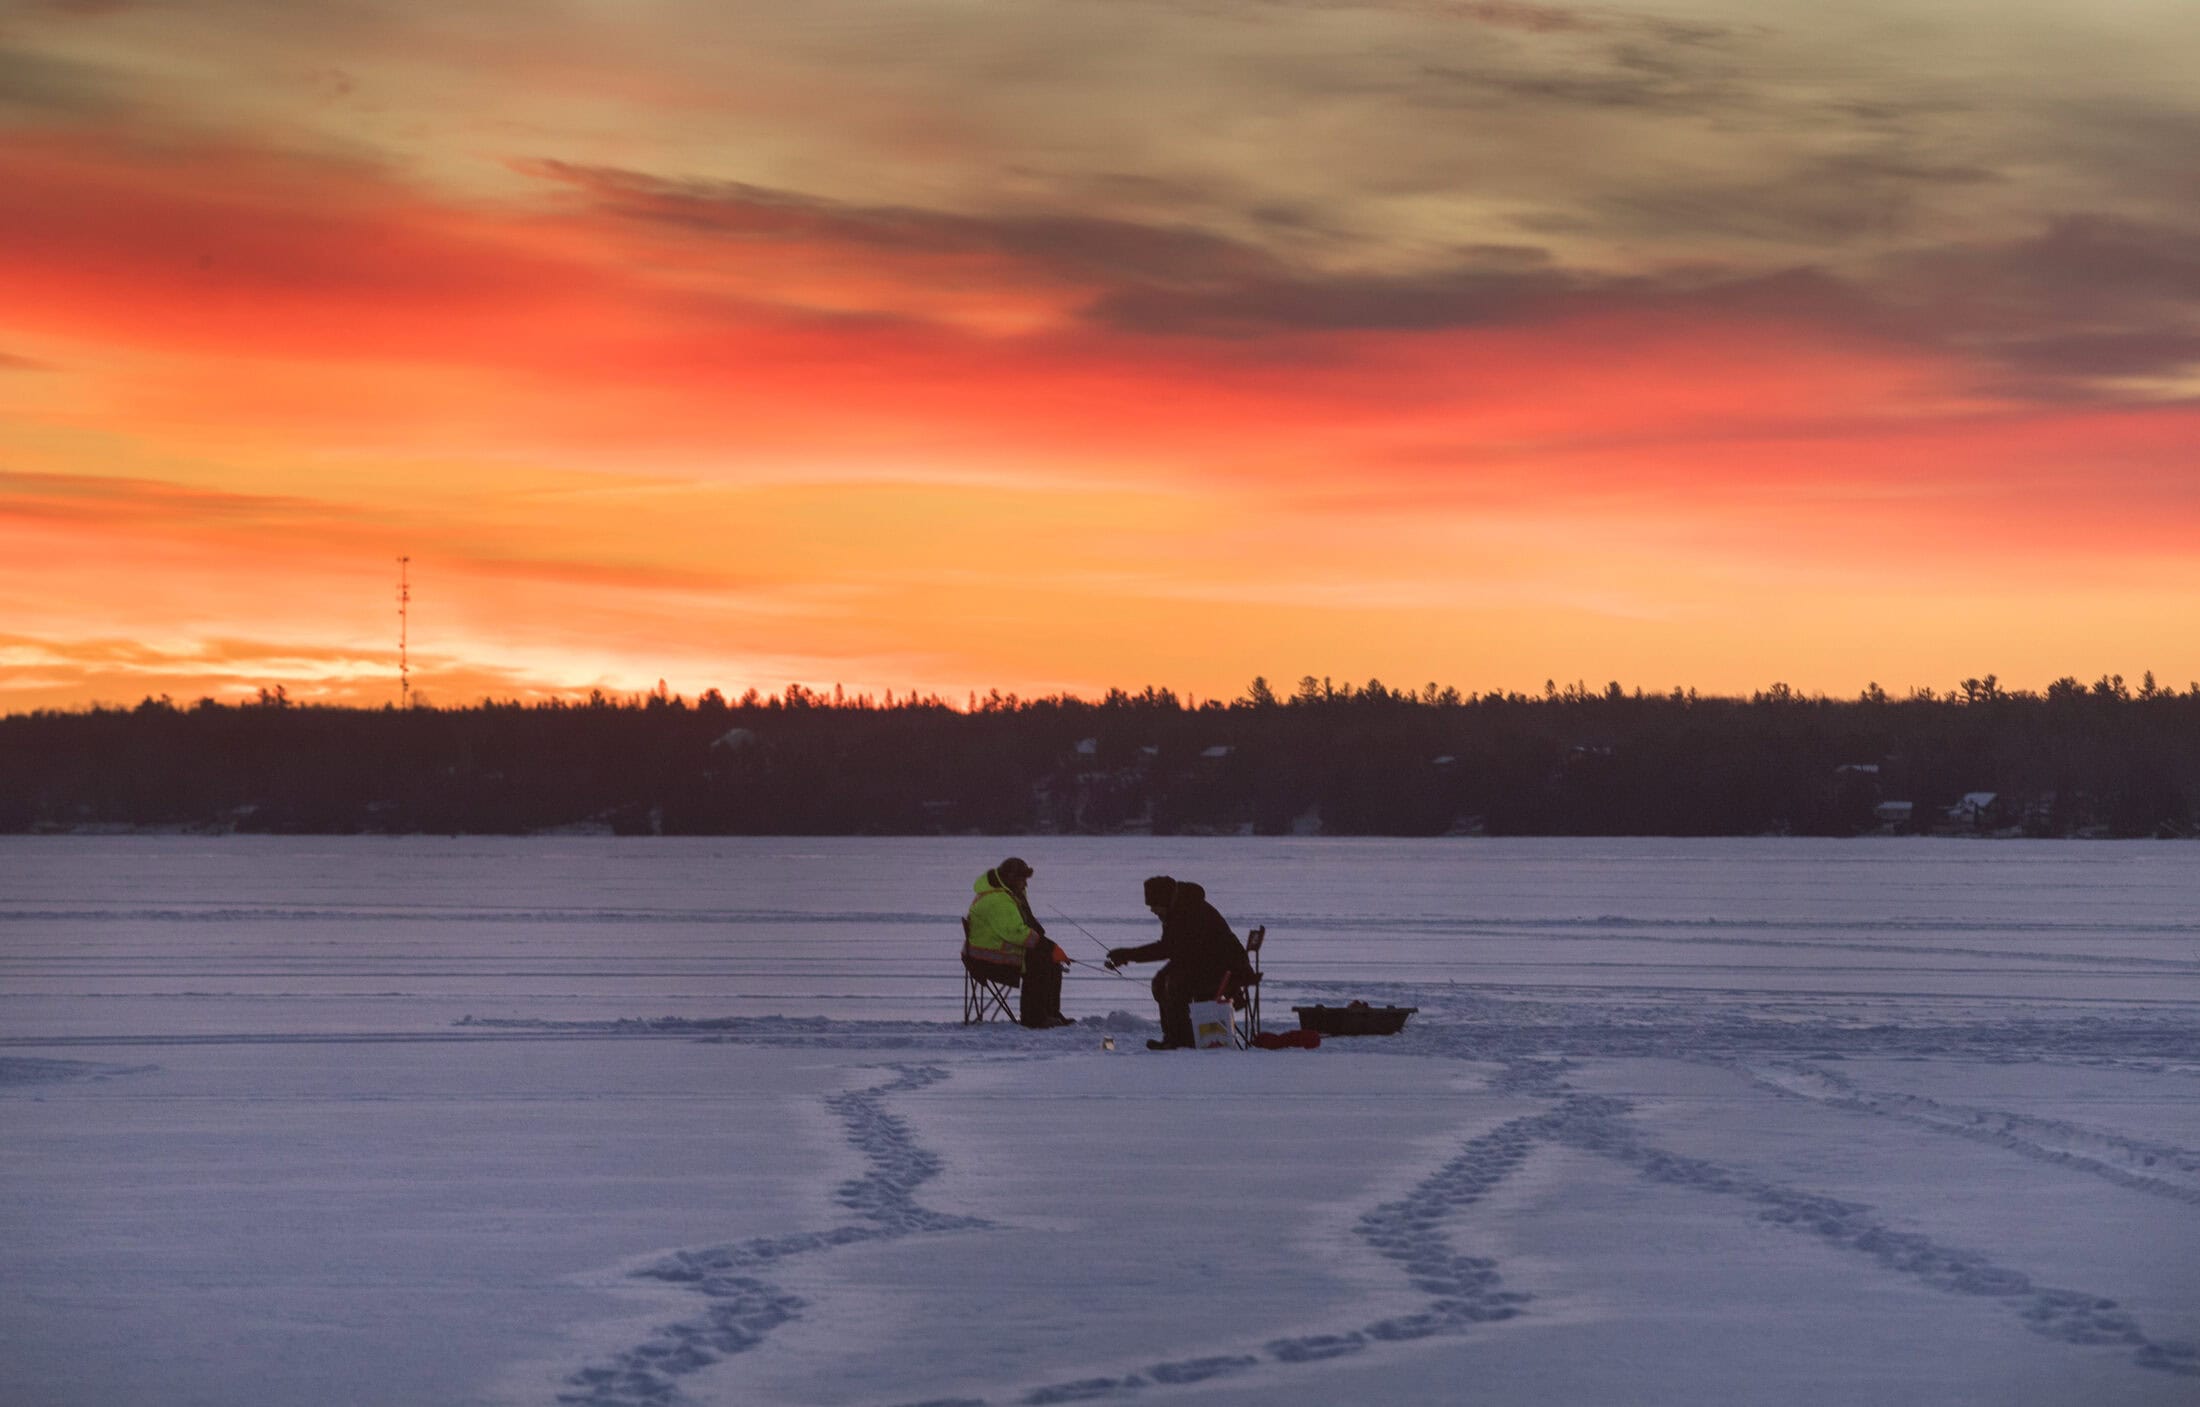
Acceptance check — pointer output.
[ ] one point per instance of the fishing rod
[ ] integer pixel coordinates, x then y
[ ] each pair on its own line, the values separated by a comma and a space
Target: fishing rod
1113, 971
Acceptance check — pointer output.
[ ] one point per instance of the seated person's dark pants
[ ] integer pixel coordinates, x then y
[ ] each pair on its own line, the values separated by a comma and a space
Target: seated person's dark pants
1042, 999
1174, 992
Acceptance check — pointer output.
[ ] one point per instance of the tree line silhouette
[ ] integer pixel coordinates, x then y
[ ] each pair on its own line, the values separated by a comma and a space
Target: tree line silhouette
2075, 759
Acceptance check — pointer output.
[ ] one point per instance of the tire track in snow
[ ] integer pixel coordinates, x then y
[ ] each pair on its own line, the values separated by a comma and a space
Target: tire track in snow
744, 1307
29, 1070
1682, 935
2159, 1169
1463, 1290
1596, 1124
1486, 1024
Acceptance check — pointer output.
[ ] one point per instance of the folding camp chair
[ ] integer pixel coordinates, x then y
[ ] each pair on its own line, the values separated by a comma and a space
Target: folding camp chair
986, 986
1245, 994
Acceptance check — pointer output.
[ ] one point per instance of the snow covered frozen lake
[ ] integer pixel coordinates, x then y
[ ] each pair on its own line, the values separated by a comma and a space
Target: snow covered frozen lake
434, 1121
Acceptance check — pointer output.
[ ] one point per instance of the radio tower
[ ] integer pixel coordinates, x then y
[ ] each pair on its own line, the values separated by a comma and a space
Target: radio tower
404, 602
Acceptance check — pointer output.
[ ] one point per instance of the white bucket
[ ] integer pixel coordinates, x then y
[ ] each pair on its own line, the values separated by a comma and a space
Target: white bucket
1214, 1025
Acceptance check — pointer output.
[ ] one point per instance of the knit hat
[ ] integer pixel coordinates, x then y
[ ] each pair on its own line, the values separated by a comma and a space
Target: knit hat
1013, 870
1160, 890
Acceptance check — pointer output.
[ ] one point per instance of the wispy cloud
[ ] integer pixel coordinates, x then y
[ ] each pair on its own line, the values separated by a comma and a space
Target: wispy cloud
1065, 242
324, 528
2034, 306
205, 245
47, 89
111, 500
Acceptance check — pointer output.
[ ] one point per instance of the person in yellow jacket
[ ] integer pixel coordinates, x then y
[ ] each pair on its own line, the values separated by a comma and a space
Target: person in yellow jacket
1005, 941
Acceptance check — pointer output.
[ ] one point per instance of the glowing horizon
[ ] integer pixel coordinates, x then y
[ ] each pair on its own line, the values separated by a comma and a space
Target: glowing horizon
1071, 346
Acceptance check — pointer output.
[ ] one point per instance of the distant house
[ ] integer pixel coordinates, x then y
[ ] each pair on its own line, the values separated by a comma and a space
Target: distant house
1866, 769
733, 740
1978, 810
1894, 813
1087, 747
1975, 806
1213, 762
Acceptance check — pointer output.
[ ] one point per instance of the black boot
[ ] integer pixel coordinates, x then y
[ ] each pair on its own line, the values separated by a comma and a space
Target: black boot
1042, 997
1176, 1026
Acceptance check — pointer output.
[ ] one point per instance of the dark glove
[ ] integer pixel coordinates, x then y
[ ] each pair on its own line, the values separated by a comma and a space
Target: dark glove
1118, 956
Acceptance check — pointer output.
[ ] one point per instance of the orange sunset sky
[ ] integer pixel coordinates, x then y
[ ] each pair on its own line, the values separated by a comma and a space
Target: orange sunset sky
1060, 344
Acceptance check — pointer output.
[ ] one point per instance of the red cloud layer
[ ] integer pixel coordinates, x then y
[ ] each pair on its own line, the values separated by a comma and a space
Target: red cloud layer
657, 316
221, 295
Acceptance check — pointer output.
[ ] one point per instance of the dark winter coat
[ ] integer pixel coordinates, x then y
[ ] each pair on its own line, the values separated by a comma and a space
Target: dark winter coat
1196, 942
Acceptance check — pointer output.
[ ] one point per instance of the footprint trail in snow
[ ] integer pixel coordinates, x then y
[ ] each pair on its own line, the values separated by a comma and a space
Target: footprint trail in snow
743, 1306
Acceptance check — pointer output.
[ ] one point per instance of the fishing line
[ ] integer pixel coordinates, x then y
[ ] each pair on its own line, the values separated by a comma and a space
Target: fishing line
1111, 971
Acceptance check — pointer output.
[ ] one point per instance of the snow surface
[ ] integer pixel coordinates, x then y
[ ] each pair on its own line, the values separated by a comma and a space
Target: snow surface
604, 1121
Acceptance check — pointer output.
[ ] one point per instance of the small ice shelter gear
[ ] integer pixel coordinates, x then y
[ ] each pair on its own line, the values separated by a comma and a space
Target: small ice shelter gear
986, 989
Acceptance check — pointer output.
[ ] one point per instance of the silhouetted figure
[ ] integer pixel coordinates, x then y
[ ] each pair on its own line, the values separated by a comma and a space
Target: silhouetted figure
1199, 954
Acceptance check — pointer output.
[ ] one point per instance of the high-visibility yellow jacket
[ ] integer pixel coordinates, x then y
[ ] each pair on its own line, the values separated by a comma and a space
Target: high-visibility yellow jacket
998, 932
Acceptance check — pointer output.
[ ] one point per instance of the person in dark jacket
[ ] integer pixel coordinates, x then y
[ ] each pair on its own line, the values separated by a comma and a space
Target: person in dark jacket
1199, 954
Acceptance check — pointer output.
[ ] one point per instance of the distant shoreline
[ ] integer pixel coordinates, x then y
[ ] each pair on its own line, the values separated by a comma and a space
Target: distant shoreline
109, 830
2083, 763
